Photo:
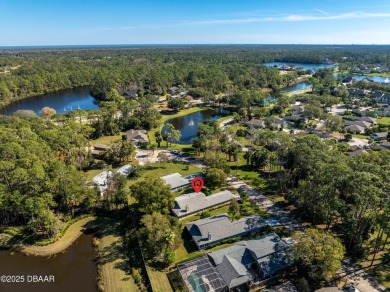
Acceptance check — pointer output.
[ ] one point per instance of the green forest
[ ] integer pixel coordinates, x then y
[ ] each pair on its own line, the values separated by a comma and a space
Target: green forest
152, 70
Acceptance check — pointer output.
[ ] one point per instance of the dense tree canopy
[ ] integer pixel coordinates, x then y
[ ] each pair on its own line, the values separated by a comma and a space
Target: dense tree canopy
39, 177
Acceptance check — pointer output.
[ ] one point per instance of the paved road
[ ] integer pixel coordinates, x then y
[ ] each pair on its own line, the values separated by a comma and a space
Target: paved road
360, 279
266, 204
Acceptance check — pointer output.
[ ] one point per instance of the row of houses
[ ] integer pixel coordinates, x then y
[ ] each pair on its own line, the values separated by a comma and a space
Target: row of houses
236, 267
378, 96
358, 124
271, 122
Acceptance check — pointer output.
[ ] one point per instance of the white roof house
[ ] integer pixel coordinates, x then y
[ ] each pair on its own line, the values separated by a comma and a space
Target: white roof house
177, 182
101, 179
124, 170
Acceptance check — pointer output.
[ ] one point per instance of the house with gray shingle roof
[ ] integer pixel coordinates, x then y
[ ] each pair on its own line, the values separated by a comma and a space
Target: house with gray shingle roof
137, 137
379, 136
355, 128
217, 228
239, 264
188, 204
237, 267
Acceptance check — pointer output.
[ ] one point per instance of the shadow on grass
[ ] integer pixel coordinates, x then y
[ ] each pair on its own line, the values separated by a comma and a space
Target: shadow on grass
175, 281
189, 246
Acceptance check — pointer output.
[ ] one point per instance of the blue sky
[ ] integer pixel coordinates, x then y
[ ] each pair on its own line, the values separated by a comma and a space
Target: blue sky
71, 22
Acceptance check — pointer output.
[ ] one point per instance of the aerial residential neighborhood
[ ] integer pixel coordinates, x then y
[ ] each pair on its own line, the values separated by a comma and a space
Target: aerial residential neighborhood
201, 146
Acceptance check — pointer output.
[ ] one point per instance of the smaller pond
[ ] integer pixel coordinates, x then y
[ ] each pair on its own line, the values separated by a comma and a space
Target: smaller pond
62, 101
73, 270
188, 124
299, 86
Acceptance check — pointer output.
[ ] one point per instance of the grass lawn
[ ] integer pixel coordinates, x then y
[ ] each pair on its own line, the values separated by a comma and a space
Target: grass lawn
161, 169
213, 212
159, 280
385, 121
93, 172
381, 272
360, 136
247, 172
221, 120
387, 74
181, 113
112, 258
106, 140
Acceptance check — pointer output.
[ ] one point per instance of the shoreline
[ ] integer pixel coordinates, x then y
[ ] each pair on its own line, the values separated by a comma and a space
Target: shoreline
20, 98
73, 232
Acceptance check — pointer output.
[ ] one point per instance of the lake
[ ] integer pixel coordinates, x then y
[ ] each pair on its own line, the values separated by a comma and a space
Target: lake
73, 270
62, 101
312, 67
188, 124
374, 78
315, 67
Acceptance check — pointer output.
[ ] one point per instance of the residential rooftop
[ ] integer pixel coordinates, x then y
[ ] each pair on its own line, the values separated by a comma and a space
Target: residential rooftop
214, 229
239, 265
194, 202
177, 182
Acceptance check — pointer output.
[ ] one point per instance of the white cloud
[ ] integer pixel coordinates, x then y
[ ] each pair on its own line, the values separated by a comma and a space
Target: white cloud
292, 18
322, 11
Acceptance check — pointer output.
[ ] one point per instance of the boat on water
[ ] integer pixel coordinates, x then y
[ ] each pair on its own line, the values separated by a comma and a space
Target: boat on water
191, 123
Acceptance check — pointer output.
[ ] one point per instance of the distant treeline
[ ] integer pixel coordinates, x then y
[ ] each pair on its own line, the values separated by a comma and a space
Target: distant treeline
152, 70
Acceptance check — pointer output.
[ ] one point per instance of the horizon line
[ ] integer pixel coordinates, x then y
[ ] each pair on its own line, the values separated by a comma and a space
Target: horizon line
194, 44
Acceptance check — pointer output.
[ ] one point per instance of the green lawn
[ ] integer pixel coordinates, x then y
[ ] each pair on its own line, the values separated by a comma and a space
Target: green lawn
106, 140
112, 259
159, 280
385, 121
387, 74
161, 169
221, 120
381, 272
360, 136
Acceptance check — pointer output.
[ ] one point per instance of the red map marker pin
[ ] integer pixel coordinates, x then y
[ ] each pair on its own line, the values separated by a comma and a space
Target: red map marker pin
197, 184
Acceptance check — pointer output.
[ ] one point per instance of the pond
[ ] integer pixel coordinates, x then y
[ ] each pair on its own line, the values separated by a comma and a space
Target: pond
299, 86
73, 270
62, 101
188, 124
